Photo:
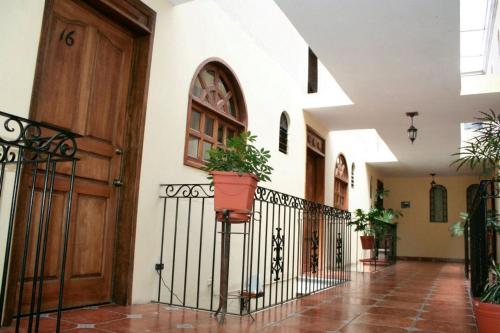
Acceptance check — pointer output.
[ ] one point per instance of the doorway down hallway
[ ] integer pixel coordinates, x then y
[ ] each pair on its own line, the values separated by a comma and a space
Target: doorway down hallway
406, 297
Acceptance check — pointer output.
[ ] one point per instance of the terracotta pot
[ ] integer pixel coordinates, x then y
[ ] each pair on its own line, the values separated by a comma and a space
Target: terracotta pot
487, 317
367, 242
234, 192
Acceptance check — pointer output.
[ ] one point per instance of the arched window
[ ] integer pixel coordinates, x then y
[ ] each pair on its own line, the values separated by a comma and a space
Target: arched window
283, 140
216, 111
341, 183
438, 203
471, 193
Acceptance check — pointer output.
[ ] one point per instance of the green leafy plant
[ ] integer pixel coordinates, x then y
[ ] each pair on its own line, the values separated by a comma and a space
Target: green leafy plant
484, 148
374, 221
457, 228
491, 293
240, 156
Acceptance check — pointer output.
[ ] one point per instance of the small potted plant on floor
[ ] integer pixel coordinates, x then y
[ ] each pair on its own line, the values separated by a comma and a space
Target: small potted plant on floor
373, 222
362, 223
235, 171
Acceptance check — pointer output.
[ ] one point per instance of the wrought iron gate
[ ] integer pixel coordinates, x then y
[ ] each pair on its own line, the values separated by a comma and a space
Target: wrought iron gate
480, 234
30, 153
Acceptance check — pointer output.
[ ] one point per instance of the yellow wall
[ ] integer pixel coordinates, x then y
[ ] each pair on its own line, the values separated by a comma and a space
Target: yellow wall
417, 236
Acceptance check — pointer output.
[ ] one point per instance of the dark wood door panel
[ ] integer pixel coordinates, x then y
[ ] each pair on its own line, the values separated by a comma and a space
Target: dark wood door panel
84, 88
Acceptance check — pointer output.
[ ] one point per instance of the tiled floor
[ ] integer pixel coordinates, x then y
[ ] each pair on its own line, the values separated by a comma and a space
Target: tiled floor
407, 297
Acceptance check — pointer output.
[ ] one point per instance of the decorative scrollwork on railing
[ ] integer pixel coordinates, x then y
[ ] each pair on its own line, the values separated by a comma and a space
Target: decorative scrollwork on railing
277, 263
36, 140
187, 191
339, 250
314, 251
261, 194
7, 154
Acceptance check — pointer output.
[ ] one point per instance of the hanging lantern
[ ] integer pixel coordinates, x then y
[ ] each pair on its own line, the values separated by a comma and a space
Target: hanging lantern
412, 130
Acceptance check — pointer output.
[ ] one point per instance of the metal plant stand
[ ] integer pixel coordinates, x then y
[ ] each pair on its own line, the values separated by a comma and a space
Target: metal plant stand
30, 155
221, 312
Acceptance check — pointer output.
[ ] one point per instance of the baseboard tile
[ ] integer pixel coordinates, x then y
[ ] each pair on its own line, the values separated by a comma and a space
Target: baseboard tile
430, 259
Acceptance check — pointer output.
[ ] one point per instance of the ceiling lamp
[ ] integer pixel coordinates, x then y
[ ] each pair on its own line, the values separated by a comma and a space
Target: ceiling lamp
412, 131
433, 182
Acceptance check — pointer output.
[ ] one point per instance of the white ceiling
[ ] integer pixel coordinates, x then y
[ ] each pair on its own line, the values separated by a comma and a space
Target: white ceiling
392, 57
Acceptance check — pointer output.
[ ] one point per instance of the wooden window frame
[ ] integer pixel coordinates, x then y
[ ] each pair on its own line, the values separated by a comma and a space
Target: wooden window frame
210, 109
341, 184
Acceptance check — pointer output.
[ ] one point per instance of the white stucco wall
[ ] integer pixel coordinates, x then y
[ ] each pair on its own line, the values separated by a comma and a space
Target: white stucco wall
185, 36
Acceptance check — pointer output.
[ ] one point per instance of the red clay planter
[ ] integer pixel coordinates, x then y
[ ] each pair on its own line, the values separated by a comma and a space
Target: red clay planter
367, 242
487, 317
234, 192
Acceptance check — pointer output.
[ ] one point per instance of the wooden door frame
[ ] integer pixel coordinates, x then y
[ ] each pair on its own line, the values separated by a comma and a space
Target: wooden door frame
139, 20
315, 144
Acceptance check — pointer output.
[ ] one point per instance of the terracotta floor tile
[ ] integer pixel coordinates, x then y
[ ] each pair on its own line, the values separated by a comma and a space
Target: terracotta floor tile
91, 316
330, 314
446, 327
384, 320
400, 304
453, 317
365, 328
407, 313
313, 323
432, 297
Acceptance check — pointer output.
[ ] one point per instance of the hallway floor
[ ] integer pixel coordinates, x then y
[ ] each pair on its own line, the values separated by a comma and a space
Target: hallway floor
407, 297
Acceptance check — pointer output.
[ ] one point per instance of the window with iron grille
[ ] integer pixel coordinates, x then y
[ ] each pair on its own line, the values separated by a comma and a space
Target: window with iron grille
438, 203
283, 139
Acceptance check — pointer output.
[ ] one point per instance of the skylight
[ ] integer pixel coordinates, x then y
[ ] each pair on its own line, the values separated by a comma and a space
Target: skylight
476, 18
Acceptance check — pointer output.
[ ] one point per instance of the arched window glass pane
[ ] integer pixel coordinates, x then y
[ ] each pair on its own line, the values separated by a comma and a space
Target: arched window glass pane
216, 112
208, 77
197, 89
438, 204
283, 138
231, 108
222, 88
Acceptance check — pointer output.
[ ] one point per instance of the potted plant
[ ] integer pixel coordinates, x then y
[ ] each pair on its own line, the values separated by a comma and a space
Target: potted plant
362, 223
373, 222
484, 150
487, 310
235, 171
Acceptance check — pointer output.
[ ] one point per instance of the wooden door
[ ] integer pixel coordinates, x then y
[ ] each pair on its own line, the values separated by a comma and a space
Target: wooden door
315, 179
84, 86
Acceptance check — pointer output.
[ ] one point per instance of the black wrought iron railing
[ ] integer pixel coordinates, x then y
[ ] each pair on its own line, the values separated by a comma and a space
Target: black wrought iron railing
33, 157
480, 234
290, 248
